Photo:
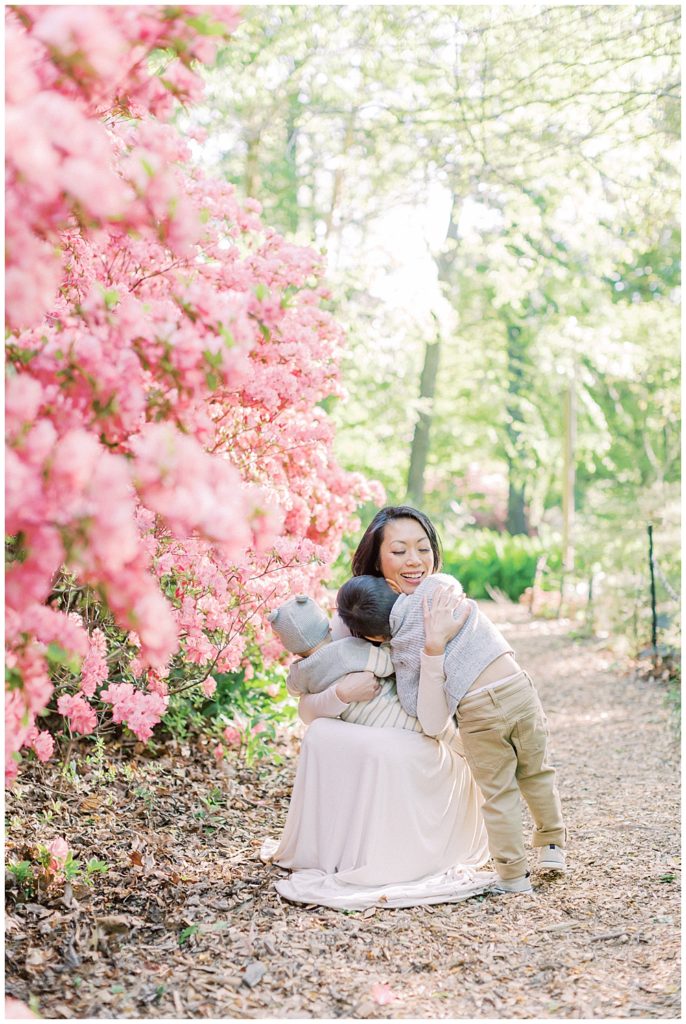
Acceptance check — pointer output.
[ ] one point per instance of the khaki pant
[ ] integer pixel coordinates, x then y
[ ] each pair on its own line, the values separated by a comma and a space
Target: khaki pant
504, 732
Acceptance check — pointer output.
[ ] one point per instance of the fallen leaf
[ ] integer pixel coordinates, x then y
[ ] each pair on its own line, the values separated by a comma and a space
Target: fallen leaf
383, 994
37, 957
254, 973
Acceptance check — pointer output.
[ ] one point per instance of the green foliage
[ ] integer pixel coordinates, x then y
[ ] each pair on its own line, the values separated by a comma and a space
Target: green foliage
38, 873
558, 273
258, 703
23, 873
484, 560
186, 933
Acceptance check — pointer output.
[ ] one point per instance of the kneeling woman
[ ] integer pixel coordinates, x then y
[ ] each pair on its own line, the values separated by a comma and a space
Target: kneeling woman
385, 815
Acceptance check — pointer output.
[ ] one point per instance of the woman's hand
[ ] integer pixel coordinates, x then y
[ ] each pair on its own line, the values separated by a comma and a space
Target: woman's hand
443, 621
357, 686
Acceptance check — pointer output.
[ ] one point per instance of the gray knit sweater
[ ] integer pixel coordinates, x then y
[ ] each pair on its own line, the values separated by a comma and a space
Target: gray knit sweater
335, 659
466, 656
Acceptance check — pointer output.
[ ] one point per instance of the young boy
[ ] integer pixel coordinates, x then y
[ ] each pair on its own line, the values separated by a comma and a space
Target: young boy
304, 629
502, 724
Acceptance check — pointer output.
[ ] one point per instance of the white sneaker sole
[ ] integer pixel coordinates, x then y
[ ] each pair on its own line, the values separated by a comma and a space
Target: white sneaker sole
511, 892
551, 866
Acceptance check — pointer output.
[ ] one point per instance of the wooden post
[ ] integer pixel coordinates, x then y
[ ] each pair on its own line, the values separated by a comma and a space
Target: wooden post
569, 476
653, 602
568, 481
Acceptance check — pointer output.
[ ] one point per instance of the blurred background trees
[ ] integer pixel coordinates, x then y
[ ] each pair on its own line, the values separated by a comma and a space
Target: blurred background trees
496, 192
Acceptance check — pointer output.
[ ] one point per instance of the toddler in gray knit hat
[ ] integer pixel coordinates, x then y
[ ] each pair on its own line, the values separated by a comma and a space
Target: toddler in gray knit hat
304, 629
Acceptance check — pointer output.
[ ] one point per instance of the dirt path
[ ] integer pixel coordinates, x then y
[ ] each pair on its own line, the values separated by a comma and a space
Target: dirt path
186, 922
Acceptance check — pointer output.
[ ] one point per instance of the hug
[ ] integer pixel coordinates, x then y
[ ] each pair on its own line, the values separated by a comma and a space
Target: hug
424, 734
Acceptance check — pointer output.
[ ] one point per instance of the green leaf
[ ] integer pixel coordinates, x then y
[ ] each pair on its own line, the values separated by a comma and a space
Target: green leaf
185, 935
94, 865
228, 337
57, 655
22, 871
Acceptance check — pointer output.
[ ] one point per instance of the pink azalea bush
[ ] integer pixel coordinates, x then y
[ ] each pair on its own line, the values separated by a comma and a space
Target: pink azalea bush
166, 452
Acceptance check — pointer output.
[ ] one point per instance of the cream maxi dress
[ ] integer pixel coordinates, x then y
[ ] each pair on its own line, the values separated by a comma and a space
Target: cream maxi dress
380, 817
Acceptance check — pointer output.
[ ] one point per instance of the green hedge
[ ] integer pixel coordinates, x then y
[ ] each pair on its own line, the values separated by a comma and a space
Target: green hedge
482, 558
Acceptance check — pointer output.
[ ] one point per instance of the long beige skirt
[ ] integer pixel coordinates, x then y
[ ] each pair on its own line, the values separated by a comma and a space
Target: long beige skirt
382, 817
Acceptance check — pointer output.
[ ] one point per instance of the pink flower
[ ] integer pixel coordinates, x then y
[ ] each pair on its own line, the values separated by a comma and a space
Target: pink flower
209, 685
43, 746
80, 714
168, 360
258, 728
274, 690
232, 736
140, 711
218, 753
16, 1010
94, 669
60, 851
383, 994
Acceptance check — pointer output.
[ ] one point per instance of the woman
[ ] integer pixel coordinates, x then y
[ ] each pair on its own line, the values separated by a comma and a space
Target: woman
385, 816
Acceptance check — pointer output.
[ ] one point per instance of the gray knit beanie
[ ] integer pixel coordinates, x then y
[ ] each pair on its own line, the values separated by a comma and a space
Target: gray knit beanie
300, 624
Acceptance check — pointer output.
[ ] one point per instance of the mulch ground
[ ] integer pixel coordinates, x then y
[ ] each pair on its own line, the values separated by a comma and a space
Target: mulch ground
186, 922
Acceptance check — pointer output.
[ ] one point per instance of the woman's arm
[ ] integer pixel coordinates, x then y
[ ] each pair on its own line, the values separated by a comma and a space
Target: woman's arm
355, 686
432, 710
442, 621
320, 705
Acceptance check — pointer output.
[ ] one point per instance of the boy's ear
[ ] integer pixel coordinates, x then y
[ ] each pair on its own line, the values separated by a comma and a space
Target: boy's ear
393, 585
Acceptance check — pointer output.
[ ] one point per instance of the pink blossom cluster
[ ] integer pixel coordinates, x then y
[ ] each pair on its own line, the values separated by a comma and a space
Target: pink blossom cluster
139, 711
65, 65
166, 363
94, 667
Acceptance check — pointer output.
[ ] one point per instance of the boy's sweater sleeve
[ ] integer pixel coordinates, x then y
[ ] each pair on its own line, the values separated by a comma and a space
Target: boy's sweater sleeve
326, 704
326, 666
432, 709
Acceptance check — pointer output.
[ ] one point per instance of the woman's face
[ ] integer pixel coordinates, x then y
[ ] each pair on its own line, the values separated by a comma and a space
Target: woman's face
405, 555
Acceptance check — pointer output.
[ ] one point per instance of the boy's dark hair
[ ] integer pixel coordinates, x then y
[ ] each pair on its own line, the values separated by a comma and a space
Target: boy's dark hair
364, 603
366, 557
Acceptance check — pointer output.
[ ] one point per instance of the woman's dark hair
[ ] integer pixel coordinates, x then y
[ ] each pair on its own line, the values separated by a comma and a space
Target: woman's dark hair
366, 557
364, 603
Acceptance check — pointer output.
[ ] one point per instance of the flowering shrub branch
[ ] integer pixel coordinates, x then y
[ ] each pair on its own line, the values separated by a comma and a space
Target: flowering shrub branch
167, 357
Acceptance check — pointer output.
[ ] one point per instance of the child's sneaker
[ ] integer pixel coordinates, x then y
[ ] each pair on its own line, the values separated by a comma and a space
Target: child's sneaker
521, 884
552, 858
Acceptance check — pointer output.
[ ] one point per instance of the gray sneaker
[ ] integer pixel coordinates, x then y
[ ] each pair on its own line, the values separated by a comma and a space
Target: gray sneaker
551, 858
521, 884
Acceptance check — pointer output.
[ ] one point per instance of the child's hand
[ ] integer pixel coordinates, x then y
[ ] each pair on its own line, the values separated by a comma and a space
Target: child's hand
443, 620
357, 686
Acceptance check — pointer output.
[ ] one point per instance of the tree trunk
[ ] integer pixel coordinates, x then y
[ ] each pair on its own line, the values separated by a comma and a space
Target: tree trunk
291, 205
252, 164
516, 497
421, 440
338, 176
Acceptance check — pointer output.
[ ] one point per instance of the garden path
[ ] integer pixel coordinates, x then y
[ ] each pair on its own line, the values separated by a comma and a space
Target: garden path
187, 924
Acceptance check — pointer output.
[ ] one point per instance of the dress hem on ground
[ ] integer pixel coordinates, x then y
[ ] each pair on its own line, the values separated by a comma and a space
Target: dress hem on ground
383, 817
